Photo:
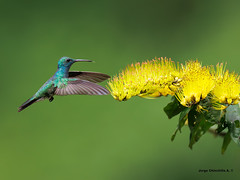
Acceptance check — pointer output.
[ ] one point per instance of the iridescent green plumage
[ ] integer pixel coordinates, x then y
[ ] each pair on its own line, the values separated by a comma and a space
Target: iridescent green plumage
64, 82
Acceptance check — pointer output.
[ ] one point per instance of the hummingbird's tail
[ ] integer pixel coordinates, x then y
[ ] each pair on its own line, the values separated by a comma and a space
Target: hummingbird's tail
27, 103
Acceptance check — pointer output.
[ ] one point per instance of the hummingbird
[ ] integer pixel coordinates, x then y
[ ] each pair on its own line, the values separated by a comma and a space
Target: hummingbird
65, 82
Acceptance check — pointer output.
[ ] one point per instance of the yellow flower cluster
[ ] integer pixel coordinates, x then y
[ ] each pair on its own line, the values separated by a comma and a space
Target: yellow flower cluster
190, 83
227, 86
197, 82
149, 79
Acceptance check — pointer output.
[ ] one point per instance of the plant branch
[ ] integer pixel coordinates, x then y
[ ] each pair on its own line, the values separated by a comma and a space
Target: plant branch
221, 134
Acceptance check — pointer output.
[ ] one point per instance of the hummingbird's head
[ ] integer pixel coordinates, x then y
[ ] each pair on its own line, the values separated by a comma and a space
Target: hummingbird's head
67, 61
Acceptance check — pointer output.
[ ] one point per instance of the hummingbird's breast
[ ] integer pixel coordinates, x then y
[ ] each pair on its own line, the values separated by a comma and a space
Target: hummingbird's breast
60, 82
51, 90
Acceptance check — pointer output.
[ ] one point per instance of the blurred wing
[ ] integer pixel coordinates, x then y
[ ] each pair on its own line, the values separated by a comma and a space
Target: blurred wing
95, 77
81, 87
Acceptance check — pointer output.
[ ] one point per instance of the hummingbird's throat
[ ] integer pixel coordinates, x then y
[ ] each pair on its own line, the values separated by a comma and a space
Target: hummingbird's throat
62, 72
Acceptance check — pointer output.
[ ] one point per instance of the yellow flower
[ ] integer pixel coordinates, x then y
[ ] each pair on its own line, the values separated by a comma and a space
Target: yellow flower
190, 84
149, 79
197, 82
227, 86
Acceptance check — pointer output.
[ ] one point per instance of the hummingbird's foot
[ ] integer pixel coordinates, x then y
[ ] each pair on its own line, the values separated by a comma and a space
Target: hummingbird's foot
51, 99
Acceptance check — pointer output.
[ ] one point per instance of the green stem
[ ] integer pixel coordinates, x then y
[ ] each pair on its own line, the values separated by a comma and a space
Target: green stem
221, 134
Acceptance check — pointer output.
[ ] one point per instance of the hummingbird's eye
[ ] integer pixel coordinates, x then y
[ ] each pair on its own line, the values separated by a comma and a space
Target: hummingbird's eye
68, 60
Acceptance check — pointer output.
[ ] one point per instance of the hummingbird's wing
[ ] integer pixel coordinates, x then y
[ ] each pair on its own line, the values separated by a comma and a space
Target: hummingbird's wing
81, 87
95, 77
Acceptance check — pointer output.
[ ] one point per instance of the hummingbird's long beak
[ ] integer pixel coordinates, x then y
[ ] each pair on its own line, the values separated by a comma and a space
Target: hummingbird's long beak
82, 60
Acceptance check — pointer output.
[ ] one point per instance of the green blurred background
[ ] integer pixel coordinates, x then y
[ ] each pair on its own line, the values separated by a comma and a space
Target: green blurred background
96, 137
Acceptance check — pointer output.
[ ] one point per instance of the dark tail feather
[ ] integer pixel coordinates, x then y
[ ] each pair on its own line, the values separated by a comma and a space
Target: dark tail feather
26, 104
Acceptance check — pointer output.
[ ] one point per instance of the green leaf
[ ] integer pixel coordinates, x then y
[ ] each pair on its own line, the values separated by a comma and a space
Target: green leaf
213, 115
182, 119
233, 113
222, 124
198, 126
233, 121
192, 117
174, 134
227, 139
173, 108
210, 113
235, 133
